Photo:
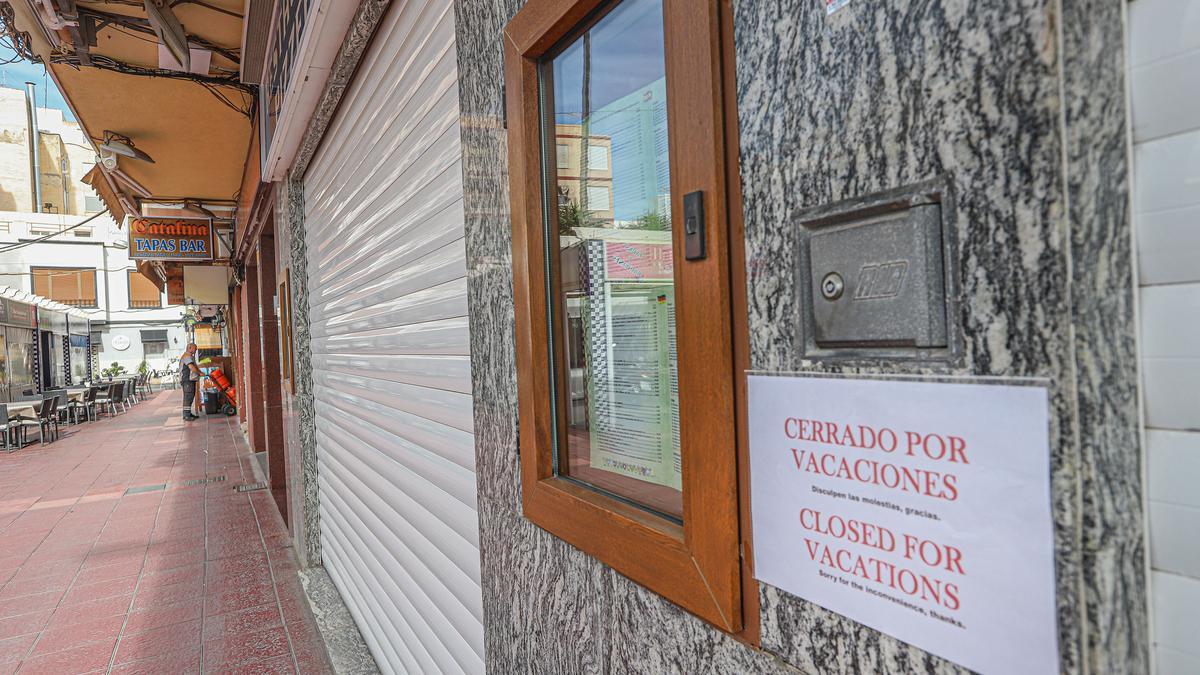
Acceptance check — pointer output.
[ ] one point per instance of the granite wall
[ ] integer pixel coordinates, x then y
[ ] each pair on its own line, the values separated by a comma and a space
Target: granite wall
1019, 106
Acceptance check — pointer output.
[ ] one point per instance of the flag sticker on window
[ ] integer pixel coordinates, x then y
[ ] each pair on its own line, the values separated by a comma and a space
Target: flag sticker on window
832, 6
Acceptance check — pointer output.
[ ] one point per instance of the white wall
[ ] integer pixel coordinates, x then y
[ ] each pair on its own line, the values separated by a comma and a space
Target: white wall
59, 138
101, 248
1164, 57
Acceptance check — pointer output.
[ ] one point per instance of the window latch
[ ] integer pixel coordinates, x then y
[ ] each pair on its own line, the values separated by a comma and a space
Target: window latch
694, 247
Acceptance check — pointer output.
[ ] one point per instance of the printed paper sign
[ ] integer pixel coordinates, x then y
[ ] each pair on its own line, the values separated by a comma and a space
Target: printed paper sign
919, 509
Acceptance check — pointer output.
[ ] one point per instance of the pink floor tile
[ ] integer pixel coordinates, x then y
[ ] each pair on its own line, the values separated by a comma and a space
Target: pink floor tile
181, 661
68, 615
227, 653
96, 579
23, 624
14, 649
85, 659
84, 632
159, 641
166, 615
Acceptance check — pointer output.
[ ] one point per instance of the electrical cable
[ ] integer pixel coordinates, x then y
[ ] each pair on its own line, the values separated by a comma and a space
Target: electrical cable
23, 244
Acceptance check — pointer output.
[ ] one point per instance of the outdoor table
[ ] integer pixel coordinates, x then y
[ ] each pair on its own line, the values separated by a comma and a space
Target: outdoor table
18, 410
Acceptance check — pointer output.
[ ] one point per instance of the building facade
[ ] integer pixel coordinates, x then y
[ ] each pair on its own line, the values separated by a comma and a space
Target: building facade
500, 272
88, 267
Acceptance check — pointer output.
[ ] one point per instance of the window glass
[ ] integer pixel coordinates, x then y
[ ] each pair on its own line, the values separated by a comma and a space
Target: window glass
20, 358
79, 359
598, 157
54, 360
154, 348
3, 360
615, 302
599, 198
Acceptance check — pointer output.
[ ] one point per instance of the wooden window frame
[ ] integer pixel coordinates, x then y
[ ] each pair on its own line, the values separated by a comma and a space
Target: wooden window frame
696, 565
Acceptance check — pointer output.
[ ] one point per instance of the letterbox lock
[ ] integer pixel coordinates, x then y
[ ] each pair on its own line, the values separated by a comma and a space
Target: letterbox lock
877, 281
832, 286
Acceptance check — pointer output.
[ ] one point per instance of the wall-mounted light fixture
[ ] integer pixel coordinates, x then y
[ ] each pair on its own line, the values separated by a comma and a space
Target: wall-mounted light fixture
120, 144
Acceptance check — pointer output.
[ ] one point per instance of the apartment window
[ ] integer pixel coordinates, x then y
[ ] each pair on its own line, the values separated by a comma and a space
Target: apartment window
143, 294
154, 342
599, 198
75, 286
598, 157
92, 204
629, 444
564, 155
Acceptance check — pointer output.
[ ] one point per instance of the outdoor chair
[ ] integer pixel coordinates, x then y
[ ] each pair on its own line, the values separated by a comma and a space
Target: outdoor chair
43, 421
7, 427
60, 407
87, 405
123, 394
109, 397
147, 386
54, 400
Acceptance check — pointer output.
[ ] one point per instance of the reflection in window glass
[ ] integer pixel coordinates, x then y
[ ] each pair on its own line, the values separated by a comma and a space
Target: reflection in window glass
20, 359
54, 360
3, 361
79, 358
599, 198
616, 301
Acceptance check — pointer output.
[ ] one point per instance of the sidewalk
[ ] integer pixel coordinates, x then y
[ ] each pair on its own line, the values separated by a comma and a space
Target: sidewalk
117, 557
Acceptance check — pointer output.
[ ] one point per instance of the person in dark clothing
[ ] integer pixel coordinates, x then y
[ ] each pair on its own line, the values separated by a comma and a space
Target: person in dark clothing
189, 377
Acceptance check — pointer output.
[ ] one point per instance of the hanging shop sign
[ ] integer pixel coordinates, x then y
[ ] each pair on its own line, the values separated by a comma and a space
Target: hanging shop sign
16, 313
919, 509
160, 238
50, 321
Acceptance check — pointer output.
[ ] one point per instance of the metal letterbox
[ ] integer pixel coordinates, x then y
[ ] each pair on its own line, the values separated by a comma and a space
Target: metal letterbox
879, 282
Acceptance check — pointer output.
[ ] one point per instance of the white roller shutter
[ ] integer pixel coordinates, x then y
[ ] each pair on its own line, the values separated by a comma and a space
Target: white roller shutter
390, 351
1164, 60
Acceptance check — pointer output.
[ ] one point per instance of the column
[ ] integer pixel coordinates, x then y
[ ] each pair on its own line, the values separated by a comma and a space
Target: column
251, 394
269, 373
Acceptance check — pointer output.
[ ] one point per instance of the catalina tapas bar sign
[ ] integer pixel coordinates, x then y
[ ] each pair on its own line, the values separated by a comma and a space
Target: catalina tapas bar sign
919, 509
163, 238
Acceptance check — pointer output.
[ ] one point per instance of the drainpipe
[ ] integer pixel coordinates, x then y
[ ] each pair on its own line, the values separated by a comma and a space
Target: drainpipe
107, 297
35, 159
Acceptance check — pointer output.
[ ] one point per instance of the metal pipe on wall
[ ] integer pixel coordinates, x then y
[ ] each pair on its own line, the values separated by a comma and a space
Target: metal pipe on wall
35, 158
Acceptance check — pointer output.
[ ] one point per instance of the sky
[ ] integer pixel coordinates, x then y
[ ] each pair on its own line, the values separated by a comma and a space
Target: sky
15, 75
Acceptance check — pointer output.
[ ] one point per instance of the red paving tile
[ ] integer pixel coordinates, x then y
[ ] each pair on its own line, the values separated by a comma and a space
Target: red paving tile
182, 579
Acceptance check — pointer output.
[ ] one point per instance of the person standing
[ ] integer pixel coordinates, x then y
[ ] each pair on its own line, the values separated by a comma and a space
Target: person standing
189, 377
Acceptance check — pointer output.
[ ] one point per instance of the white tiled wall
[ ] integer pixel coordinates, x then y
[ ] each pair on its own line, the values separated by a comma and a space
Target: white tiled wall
1164, 57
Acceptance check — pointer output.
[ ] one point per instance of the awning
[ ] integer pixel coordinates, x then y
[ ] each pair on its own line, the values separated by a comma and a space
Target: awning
148, 269
104, 187
154, 336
